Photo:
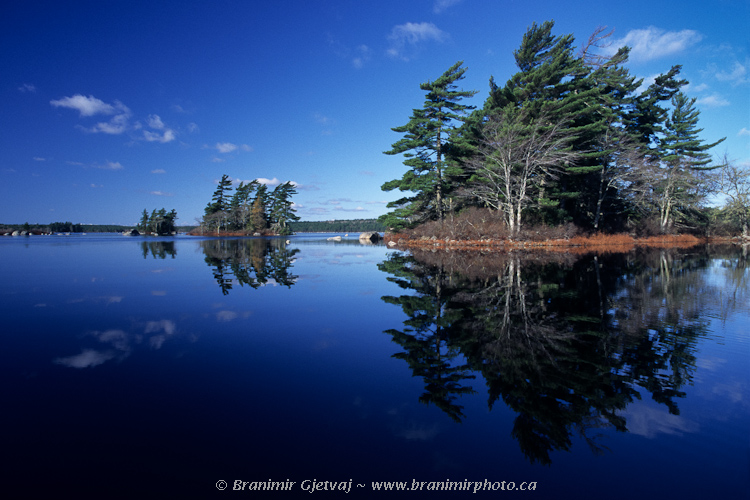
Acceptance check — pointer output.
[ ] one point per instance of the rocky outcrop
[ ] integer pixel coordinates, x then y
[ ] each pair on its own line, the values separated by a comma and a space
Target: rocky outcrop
369, 237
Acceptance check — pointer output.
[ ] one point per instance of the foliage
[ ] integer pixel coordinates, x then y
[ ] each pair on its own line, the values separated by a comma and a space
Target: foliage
159, 222
251, 209
568, 138
426, 141
567, 343
65, 227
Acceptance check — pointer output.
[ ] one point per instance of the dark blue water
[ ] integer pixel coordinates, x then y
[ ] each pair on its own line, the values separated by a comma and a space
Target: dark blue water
157, 367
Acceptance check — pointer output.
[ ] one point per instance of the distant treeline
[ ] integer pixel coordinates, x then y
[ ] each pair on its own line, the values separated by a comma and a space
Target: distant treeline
337, 226
69, 227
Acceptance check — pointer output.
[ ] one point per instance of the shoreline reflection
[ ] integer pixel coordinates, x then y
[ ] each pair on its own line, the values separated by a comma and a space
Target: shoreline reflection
253, 262
566, 342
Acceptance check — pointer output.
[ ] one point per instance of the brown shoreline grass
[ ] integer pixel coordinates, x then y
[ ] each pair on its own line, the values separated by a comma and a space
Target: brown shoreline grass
621, 242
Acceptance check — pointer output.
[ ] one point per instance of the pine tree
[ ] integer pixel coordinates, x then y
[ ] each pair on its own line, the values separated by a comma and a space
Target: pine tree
680, 186
551, 90
424, 145
258, 214
220, 199
281, 208
143, 224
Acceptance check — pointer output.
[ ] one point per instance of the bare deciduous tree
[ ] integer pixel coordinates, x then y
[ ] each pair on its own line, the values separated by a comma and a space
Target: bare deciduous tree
734, 184
517, 154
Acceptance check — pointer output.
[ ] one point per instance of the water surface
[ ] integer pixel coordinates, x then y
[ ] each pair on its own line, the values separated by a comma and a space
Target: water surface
159, 366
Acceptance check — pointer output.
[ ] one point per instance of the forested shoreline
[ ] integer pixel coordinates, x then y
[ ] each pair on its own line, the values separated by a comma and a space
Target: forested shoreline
571, 143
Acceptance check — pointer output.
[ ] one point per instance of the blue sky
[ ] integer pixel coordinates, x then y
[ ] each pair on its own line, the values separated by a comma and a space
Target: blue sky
110, 107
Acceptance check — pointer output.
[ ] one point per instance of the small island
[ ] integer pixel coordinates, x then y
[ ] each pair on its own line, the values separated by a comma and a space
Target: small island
571, 151
251, 211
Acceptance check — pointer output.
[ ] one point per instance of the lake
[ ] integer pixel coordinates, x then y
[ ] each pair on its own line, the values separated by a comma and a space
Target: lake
164, 367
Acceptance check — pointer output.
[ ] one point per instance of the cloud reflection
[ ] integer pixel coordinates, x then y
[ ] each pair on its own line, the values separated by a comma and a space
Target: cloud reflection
88, 358
120, 344
649, 422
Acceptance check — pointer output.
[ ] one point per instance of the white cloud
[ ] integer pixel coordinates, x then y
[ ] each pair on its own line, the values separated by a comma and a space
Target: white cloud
154, 121
164, 135
712, 101
269, 182
690, 88
653, 43
89, 106
160, 193
736, 76
228, 147
39, 158
225, 147
441, 5
110, 165
117, 125
743, 132
159, 171
405, 38
167, 136
27, 87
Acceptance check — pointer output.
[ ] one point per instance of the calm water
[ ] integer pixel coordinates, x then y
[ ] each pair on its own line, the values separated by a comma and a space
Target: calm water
148, 367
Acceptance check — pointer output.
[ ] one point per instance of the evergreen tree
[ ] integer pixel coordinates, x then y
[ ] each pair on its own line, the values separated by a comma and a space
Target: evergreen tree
143, 224
680, 185
550, 87
216, 212
281, 208
220, 199
424, 145
646, 120
258, 217
239, 206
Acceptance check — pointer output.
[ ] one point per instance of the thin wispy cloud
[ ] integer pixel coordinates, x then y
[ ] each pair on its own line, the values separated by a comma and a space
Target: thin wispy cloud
406, 39
441, 6
27, 87
160, 193
743, 132
159, 171
109, 165
735, 76
653, 43
228, 147
363, 55
712, 101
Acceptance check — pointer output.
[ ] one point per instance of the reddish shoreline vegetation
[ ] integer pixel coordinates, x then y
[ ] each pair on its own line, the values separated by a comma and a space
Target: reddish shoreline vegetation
576, 244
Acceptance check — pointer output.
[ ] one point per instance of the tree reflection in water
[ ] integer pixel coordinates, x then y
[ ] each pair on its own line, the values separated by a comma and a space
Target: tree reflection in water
158, 249
253, 262
567, 342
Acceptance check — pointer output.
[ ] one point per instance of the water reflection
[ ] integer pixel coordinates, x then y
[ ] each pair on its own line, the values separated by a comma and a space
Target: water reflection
566, 342
158, 249
118, 344
253, 262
